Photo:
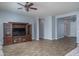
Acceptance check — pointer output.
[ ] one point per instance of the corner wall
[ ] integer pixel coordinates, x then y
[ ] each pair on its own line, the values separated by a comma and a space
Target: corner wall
78, 27
49, 27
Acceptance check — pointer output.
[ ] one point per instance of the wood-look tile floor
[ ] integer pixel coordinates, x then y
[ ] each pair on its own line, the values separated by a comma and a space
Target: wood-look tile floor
58, 47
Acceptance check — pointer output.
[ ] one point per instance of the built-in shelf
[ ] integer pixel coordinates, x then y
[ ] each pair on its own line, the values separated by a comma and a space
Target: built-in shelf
17, 32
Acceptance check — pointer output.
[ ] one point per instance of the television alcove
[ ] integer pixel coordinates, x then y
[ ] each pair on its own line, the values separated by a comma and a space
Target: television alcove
15, 32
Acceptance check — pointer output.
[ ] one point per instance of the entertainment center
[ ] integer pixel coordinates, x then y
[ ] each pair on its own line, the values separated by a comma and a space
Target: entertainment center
15, 32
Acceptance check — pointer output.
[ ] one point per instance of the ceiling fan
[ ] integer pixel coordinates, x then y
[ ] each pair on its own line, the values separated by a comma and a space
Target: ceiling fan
27, 6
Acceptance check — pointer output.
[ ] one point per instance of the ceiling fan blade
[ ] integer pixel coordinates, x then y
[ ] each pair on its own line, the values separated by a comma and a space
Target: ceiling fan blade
30, 4
33, 8
21, 4
19, 8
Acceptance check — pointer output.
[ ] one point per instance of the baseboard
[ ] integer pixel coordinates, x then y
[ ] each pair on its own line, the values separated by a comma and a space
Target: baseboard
1, 43
37, 39
78, 44
49, 38
56, 38
0, 47
1, 50
71, 36
59, 37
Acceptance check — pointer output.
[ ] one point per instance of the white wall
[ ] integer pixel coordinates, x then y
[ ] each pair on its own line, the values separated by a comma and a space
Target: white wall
73, 29
53, 27
13, 17
41, 28
51, 24
60, 28
37, 28
78, 27
49, 27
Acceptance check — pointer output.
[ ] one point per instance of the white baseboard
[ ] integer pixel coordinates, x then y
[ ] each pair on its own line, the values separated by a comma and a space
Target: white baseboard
1, 53
0, 46
71, 36
1, 43
37, 39
77, 44
1, 50
50, 38
60, 37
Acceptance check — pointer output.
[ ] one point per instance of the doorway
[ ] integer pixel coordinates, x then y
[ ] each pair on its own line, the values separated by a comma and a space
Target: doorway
41, 29
66, 27
70, 26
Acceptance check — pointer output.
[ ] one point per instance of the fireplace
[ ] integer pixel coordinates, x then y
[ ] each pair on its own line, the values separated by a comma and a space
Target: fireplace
19, 31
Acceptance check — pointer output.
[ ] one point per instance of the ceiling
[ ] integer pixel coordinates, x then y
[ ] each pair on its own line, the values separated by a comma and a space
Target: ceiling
44, 8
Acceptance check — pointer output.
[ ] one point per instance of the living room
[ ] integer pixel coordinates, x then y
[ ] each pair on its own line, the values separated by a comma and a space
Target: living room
54, 30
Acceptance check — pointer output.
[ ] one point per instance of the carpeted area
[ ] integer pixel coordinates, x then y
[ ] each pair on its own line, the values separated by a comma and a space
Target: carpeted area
58, 47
